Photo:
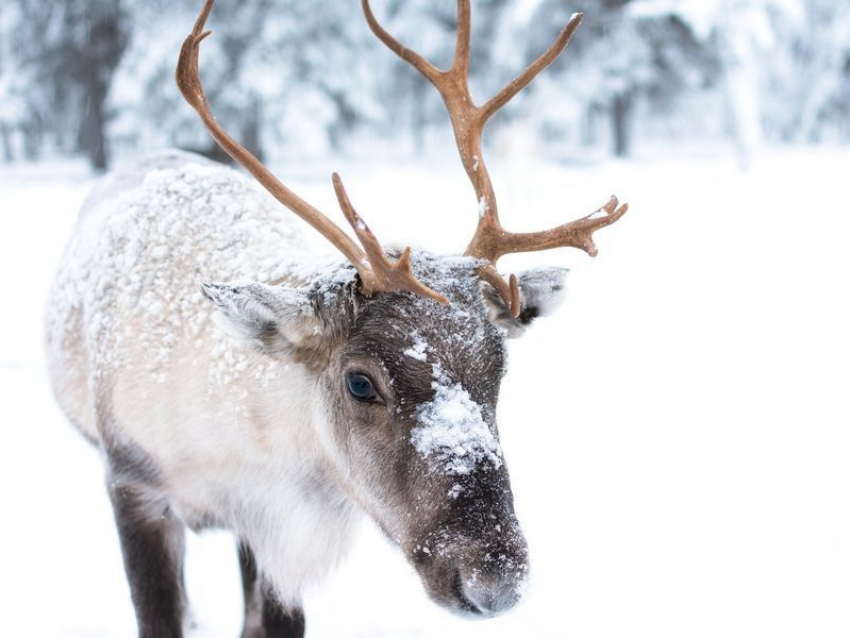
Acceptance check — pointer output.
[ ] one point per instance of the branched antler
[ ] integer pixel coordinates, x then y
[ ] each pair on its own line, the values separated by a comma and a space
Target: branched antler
394, 276
377, 271
491, 240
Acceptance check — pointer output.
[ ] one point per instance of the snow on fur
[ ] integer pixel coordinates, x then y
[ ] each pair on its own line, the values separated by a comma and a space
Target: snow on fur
453, 431
122, 260
419, 348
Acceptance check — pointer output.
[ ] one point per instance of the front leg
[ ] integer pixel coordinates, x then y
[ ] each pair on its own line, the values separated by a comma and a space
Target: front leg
152, 541
264, 616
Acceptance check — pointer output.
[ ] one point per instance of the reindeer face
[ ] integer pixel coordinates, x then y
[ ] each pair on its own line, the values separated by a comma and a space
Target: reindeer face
410, 390
415, 390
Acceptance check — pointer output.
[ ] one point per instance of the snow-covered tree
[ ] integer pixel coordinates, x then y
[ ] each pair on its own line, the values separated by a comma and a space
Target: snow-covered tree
15, 81
305, 78
625, 53
275, 72
809, 80
77, 46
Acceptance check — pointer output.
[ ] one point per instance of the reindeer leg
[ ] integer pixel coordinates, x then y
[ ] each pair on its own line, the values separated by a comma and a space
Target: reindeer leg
152, 541
264, 617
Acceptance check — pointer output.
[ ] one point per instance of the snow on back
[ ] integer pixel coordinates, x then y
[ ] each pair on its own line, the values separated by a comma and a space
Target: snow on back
129, 277
453, 431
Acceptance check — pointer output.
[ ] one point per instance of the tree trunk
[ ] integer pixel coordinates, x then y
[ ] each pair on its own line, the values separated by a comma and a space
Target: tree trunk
346, 119
92, 137
589, 131
251, 130
32, 131
621, 112
420, 115
741, 82
6, 134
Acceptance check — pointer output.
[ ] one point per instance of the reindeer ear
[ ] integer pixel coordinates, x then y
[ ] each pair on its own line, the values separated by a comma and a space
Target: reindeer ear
271, 319
541, 291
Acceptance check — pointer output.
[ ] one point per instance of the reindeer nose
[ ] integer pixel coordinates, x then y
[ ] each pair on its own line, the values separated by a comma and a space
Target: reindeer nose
495, 592
477, 571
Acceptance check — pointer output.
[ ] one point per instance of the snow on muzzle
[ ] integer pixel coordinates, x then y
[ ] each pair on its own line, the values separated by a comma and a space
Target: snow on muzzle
474, 574
470, 554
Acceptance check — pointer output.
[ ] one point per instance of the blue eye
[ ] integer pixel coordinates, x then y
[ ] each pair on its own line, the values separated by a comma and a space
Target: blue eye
361, 387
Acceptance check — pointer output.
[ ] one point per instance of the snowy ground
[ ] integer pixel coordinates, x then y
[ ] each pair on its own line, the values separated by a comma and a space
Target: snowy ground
679, 436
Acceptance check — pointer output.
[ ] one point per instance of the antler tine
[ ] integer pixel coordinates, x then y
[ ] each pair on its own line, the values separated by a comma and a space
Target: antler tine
452, 85
508, 290
411, 57
460, 64
574, 234
377, 273
524, 79
387, 275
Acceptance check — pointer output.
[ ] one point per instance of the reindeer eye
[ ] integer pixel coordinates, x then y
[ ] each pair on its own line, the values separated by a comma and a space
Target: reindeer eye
361, 387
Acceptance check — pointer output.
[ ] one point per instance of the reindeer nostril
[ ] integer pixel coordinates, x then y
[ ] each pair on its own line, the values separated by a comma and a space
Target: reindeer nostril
490, 594
460, 593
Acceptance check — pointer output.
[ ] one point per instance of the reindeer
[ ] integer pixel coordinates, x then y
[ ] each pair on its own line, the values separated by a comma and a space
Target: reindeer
306, 392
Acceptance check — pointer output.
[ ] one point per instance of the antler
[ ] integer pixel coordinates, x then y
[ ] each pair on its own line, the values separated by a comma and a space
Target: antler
377, 272
491, 240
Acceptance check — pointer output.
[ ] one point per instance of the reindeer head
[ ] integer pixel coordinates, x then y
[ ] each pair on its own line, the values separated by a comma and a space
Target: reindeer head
407, 350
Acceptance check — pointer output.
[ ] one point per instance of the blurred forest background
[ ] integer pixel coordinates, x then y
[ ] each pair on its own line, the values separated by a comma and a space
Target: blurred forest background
296, 78
677, 436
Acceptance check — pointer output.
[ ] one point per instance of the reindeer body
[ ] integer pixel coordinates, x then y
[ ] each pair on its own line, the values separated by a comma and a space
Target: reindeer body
241, 423
141, 368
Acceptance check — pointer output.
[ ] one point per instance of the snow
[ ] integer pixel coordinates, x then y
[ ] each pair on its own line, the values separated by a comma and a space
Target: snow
676, 434
452, 429
482, 207
456, 491
419, 348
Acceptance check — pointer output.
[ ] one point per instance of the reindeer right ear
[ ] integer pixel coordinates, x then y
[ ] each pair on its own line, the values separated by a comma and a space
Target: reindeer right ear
541, 292
271, 319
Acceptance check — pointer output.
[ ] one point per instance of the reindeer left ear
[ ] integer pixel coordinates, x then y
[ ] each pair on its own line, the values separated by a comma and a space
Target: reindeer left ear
271, 319
541, 291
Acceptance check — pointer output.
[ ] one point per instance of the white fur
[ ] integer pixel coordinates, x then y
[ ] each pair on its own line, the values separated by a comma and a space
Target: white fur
135, 355
543, 288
